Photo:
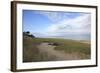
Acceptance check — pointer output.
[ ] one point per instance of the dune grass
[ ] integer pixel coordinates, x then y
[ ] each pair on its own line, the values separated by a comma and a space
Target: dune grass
31, 52
71, 46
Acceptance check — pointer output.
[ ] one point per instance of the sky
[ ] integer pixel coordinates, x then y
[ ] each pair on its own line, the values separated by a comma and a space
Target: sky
57, 23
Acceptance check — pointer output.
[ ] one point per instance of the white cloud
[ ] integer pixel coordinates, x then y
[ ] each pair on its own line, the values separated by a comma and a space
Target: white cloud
78, 25
53, 15
66, 24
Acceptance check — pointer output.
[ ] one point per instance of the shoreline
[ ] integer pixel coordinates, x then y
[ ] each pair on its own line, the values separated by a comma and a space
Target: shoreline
81, 41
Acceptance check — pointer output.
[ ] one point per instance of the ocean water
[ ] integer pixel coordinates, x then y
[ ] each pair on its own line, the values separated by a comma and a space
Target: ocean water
86, 37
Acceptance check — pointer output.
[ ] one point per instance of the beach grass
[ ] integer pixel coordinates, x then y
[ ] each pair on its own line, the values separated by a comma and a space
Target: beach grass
31, 52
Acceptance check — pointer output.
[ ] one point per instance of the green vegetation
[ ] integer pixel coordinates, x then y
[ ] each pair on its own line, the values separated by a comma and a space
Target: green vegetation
31, 52
70, 46
76, 47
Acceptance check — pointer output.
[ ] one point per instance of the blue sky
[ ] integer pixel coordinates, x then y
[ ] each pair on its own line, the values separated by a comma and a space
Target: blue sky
50, 23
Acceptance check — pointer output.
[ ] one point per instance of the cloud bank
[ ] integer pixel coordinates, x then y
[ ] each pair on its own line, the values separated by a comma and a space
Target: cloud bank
78, 25
66, 23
